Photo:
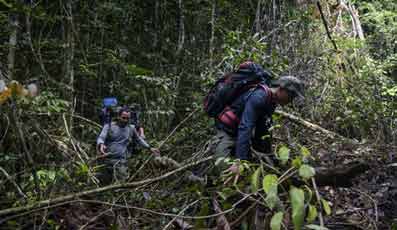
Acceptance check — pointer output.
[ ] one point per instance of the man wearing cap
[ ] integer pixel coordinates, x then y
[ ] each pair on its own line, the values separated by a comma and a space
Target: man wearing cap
252, 111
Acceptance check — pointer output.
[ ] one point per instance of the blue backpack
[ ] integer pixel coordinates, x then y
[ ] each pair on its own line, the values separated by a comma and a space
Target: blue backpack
109, 105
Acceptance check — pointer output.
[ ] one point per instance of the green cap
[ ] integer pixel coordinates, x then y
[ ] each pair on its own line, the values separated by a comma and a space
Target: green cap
292, 84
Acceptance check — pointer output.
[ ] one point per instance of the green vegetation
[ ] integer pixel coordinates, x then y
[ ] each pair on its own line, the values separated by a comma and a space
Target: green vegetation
164, 55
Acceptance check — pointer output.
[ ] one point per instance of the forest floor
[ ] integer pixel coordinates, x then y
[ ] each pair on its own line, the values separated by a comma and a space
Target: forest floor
365, 200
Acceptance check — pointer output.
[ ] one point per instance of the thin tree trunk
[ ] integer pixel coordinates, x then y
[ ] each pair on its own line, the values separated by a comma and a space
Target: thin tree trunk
356, 22
274, 13
212, 39
181, 36
69, 70
181, 41
14, 23
258, 27
156, 21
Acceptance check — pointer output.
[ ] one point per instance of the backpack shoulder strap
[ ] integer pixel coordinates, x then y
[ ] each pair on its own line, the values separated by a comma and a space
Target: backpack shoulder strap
268, 91
110, 130
131, 128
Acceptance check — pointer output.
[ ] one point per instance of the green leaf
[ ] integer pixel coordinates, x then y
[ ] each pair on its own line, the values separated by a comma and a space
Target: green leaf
309, 193
270, 187
316, 227
297, 162
283, 154
275, 223
311, 216
326, 207
297, 198
255, 180
270, 183
272, 200
306, 171
6, 4
305, 152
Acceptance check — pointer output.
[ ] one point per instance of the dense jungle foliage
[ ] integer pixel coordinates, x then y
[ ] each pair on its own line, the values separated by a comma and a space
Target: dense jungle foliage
164, 56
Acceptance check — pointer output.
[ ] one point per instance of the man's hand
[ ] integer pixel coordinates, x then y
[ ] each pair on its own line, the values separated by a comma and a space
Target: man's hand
155, 151
102, 149
234, 169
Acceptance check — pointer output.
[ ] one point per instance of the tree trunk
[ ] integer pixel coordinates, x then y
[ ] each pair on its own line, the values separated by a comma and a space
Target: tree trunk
181, 34
181, 41
212, 39
14, 23
258, 27
69, 70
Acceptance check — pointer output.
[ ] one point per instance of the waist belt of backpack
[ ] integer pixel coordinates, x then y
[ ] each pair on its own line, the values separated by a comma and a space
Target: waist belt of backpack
229, 118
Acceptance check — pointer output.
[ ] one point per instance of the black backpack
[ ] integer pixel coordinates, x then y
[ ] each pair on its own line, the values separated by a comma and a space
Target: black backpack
230, 86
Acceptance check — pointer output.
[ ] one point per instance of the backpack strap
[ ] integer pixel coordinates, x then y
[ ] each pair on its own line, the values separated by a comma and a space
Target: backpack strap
269, 93
131, 130
228, 116
109, 131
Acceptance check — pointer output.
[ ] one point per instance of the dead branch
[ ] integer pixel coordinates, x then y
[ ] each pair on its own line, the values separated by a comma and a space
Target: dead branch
13, 182
315, 127
175, 219
326, 25
340, 175
221, 221
73, 196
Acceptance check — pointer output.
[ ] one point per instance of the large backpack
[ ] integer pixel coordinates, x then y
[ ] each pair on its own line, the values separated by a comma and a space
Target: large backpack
109, 107
230, 86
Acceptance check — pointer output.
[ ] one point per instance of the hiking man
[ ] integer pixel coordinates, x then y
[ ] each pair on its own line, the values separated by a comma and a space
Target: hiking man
245, 122
112, 144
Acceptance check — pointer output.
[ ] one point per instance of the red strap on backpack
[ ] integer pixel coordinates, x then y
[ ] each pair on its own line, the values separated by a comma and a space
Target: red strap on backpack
229, 118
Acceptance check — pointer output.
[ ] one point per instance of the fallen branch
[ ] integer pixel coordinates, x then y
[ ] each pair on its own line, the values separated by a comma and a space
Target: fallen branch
221, 221
341, 175
61, 199
9, 178
179, 214
315, 127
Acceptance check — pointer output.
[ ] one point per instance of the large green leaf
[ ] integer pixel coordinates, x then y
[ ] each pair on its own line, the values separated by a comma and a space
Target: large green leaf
312, 214
326, 207
275, 223
270, 187
272, 200
306, 171
283, 154
255, 180
297, 198
270, 183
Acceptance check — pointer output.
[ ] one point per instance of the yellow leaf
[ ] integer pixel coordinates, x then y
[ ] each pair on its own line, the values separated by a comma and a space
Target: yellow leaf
5, 95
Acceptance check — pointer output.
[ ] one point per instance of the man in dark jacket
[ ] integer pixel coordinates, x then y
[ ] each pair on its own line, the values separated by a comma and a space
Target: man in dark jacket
245, 121
112, 144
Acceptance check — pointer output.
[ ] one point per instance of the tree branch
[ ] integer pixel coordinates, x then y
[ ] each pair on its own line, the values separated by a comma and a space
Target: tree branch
315, 127
61, 199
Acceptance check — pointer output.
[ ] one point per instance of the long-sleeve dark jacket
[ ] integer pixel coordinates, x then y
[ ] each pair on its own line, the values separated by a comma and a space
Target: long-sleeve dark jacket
252, 108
